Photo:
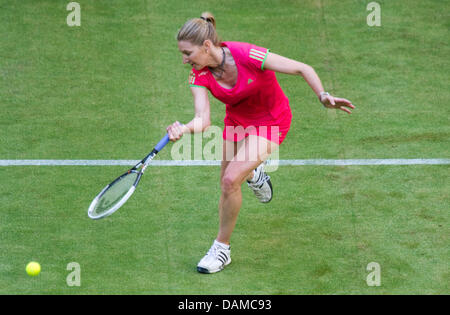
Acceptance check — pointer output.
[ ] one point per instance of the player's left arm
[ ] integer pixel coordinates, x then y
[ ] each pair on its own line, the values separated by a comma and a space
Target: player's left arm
285, 65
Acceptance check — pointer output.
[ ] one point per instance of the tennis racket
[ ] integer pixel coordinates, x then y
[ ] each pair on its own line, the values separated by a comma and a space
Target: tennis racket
114, 195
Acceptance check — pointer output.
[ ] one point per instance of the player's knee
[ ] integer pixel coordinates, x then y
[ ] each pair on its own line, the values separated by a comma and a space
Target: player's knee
230, 183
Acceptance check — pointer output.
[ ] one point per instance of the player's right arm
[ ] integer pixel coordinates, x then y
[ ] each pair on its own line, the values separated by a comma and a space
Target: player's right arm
201, 120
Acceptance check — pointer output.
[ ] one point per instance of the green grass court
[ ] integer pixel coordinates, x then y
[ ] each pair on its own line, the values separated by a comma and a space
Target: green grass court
106, 90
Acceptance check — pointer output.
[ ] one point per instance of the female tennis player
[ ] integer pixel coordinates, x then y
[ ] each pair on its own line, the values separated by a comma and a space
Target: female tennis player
257, 119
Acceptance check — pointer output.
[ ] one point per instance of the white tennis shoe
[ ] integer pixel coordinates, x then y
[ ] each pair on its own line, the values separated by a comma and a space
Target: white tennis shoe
216, 259
261, 185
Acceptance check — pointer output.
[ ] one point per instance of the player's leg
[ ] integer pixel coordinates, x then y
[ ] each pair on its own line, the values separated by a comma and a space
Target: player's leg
249, 155
218, 255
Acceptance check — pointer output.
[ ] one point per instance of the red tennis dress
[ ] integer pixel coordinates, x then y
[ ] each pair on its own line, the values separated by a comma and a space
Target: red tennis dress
256, 105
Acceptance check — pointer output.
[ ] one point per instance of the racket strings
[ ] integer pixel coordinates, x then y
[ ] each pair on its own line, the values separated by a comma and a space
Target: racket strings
114, 194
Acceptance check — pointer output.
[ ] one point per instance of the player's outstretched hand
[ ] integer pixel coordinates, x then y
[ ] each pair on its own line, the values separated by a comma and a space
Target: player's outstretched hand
329, 101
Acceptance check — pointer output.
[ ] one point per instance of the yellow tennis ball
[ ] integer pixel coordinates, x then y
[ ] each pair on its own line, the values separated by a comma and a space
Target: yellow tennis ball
33, 268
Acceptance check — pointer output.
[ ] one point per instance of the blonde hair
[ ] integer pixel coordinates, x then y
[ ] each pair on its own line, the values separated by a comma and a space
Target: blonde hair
200, 29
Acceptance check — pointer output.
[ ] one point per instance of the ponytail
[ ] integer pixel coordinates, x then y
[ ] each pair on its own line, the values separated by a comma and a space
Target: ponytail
200, 29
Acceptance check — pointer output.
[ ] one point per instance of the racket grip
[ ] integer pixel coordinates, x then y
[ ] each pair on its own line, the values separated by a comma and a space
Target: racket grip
162, 143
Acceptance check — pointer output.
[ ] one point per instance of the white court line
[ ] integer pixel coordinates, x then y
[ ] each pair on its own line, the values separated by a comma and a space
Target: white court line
216, 163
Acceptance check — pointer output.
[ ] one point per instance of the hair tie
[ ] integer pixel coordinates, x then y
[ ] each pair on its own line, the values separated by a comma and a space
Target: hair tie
205, 19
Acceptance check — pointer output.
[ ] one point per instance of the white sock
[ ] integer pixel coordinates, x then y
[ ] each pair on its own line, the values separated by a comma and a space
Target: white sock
222, 244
